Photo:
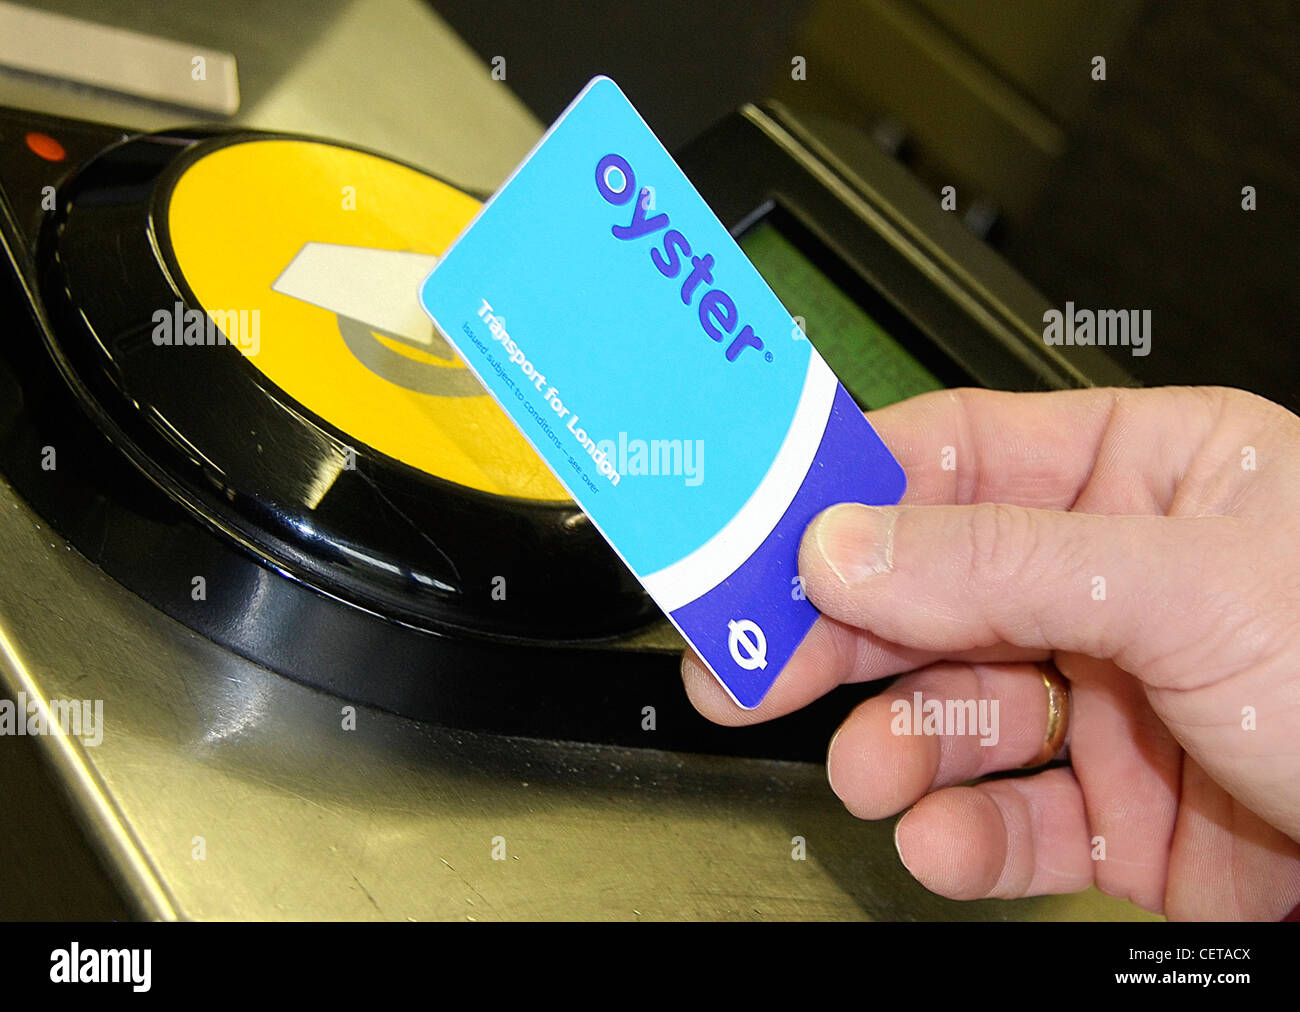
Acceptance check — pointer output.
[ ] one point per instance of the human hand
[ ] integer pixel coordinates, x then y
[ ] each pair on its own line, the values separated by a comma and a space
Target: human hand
1183, 660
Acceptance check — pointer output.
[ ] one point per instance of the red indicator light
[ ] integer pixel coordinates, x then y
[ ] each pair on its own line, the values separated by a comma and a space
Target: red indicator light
45, 146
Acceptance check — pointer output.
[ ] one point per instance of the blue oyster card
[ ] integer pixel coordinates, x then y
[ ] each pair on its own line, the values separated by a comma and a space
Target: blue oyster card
616, 321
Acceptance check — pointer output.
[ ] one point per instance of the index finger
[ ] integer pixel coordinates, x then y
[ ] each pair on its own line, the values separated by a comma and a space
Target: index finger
1042, 450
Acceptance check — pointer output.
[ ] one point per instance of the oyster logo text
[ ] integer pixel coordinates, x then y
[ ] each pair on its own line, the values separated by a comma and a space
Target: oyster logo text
718, 314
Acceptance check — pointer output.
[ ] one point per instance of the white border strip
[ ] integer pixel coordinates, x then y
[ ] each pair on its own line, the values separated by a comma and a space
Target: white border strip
715, 560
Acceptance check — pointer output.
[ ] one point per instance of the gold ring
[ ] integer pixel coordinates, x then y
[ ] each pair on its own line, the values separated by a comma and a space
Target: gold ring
1058, 714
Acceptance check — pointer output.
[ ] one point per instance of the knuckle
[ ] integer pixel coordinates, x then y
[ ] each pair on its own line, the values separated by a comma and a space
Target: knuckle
1000, 544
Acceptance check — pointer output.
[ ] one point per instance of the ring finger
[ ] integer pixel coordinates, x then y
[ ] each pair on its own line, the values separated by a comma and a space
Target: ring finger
942, 725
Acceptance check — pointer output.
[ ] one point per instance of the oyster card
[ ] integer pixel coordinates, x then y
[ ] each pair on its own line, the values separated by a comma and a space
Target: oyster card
615, 320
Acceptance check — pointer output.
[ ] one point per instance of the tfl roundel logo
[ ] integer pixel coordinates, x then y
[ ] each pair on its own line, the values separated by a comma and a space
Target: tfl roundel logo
747, 644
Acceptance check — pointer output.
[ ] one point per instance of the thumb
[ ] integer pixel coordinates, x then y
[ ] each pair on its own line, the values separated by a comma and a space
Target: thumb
1141, 591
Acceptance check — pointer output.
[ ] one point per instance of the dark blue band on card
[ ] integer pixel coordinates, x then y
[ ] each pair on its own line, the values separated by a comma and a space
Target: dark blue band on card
845, 469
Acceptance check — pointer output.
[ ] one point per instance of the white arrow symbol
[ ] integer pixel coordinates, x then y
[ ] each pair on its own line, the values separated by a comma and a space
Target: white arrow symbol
375, 286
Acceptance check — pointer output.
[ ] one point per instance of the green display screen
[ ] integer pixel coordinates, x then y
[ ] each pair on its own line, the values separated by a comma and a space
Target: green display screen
874, 368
